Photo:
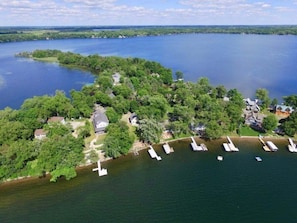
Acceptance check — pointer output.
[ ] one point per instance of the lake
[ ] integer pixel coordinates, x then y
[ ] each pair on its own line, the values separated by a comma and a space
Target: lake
185, 186
245, 62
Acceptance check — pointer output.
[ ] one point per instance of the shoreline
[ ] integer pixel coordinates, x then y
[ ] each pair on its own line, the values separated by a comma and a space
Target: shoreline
144, 146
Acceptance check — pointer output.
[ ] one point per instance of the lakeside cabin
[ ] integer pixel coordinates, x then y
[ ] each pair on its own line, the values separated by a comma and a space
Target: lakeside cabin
292, 146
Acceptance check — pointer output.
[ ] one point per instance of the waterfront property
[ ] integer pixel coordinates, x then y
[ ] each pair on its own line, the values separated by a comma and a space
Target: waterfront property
283, 110
100, 122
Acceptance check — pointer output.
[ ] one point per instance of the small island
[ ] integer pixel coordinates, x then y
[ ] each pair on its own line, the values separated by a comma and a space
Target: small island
132, 104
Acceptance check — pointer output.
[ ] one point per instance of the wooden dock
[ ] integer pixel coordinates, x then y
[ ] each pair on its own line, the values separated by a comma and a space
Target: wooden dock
167, 148
101, 172
153, 154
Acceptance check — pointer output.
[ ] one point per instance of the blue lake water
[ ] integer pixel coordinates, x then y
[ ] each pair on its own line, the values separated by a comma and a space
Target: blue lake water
246, 62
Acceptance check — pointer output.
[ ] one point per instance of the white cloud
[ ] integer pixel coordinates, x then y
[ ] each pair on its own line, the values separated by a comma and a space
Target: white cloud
111, 12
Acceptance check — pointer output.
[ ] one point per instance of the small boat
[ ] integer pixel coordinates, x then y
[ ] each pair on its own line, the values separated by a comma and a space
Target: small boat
220, 158
258, 158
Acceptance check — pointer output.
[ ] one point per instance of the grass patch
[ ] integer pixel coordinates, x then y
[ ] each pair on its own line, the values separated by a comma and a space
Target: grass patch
247, 131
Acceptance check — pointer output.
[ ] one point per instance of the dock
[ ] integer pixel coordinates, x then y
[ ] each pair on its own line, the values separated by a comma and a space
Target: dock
167, 148
194, 145
292, 146
101, 172
230, 147
153, 154
265, 147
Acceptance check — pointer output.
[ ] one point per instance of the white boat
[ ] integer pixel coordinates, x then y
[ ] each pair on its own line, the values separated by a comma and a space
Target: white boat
258, 158
292, 146
271, 146
220, 158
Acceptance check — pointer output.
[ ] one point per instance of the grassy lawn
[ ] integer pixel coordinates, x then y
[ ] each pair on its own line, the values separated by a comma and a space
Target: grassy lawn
248, 131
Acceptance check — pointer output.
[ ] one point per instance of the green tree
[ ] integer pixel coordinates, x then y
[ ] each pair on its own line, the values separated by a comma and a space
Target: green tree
118, 140
263, 95
149, 131
269, 123
179, 75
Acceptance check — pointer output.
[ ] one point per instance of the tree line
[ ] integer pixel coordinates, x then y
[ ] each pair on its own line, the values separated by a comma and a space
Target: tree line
24, 34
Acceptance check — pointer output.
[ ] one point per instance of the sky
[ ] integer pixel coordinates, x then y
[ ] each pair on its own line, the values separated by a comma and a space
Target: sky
147, 12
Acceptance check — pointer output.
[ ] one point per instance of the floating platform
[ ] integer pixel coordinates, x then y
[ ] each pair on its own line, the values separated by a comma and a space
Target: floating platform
101, 172
292, 146
153, 154
220, 158
259, 159
167, 148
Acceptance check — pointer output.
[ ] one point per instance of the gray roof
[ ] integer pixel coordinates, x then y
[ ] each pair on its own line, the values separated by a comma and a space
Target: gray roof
99, 117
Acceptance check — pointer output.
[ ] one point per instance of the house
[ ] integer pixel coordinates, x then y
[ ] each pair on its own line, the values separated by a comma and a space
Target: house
56, 119
100, 122
252, 105
133, 119
39, 134
283, 110
116, 78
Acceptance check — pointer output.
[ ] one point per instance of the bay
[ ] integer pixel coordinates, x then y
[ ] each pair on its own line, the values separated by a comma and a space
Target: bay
245, 62
185, 186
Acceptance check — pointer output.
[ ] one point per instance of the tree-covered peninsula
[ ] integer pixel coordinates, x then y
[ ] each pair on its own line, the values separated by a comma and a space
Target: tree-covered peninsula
122, 86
